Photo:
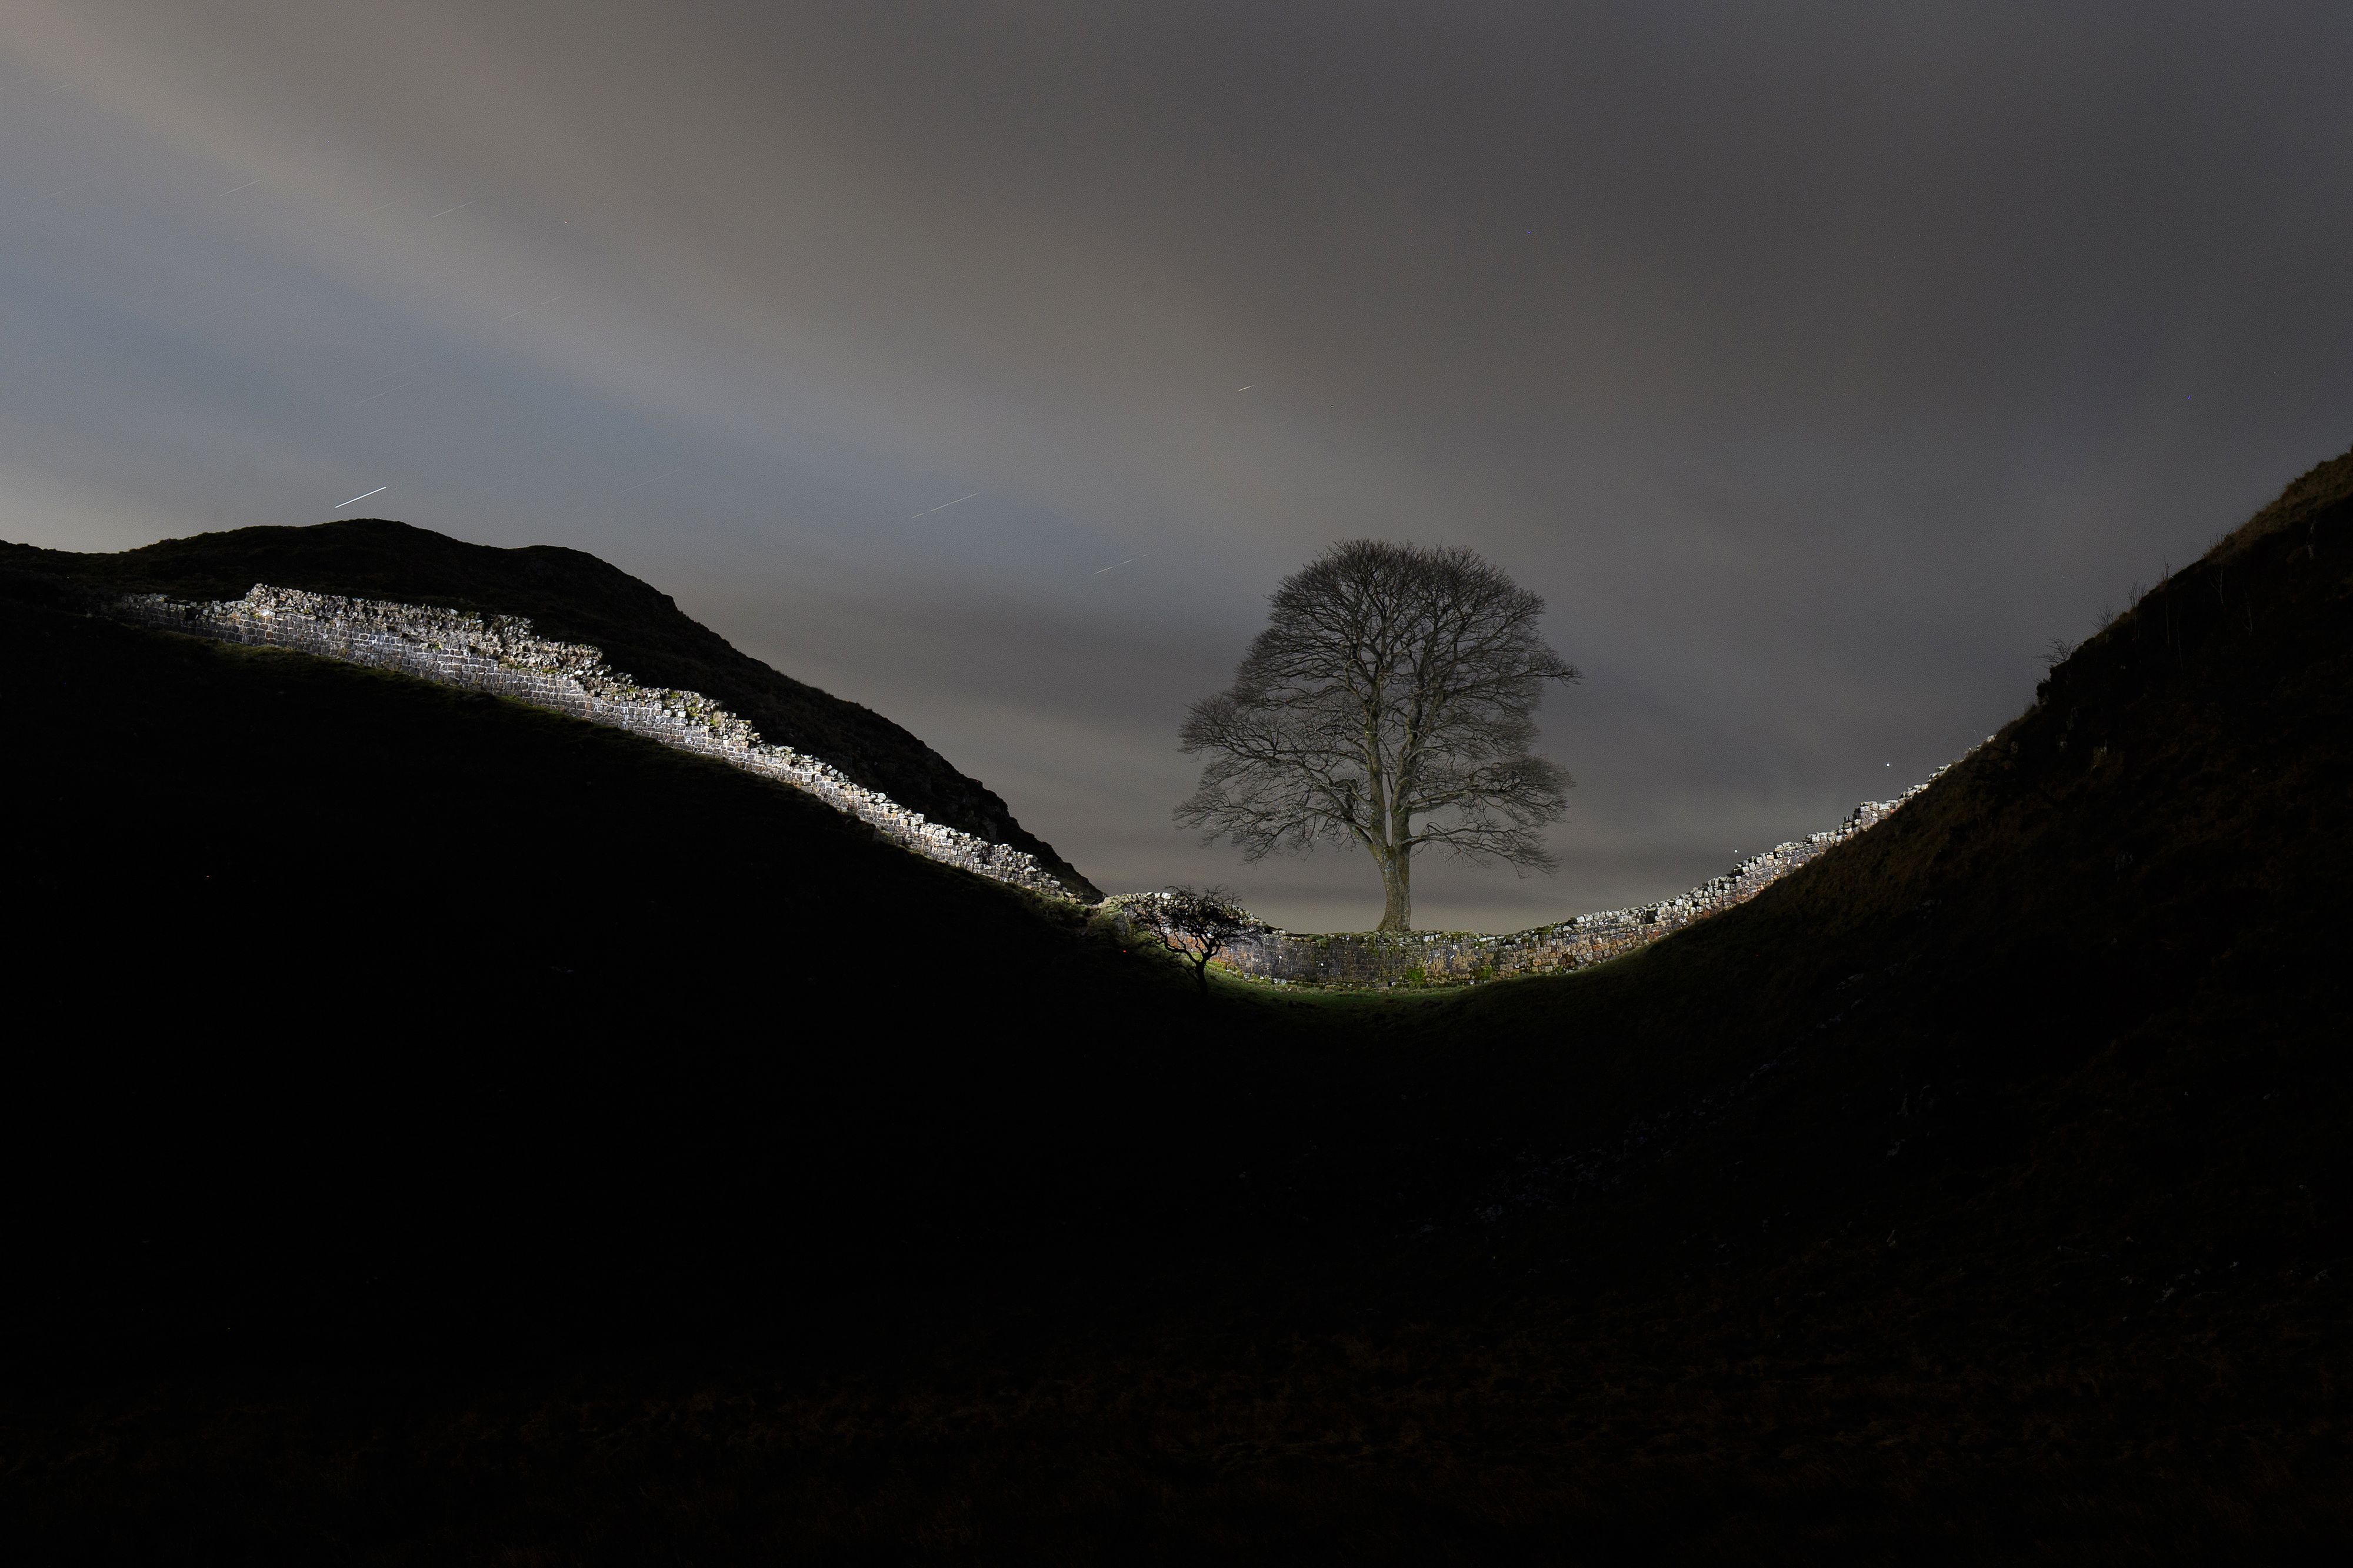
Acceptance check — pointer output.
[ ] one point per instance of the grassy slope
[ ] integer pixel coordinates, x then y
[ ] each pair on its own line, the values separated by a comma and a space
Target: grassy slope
1977, 1190
574, 597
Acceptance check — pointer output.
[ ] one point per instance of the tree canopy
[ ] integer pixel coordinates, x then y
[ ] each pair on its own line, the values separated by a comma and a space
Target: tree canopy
1389, 702
1197, 924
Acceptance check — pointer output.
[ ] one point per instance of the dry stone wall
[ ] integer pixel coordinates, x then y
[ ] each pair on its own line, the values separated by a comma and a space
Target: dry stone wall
500, 654
1368, 959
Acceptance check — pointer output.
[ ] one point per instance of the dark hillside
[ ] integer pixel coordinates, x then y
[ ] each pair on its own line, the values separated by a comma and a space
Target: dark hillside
574, 597
531, 1022
1990, 1176
2137, 882
1979, 1193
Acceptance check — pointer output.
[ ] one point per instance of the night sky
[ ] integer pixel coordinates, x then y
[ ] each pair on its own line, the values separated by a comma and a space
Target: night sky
990, 363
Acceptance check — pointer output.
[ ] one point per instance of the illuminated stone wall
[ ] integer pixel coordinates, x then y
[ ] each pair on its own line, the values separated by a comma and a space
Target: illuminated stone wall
499, 653
1371, 958
502, 655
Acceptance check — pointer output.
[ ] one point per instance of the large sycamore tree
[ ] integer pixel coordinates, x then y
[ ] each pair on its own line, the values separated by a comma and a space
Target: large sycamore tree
1391, 703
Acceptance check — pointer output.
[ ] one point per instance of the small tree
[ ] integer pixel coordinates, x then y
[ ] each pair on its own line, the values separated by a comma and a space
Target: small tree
1195, 923
1391, 702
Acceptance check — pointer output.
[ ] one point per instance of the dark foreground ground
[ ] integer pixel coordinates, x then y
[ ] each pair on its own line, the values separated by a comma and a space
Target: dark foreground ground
441, 1133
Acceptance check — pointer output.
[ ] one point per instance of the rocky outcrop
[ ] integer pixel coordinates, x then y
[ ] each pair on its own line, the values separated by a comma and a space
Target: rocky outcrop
502, 655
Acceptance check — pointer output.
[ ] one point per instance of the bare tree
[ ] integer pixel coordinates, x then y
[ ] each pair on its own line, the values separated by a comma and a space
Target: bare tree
1392, 702
1195, 923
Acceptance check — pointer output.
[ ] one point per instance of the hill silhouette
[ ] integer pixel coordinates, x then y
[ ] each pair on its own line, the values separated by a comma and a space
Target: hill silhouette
571, 596
1980, 1190
304, 932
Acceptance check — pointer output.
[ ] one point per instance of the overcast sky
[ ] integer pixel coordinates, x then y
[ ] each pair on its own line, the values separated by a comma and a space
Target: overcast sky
989, 363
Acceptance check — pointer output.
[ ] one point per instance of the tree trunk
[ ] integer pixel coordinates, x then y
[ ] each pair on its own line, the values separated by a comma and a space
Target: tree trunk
1397, 888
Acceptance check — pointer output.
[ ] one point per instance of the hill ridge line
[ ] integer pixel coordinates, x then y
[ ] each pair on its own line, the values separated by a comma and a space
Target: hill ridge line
503, 655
